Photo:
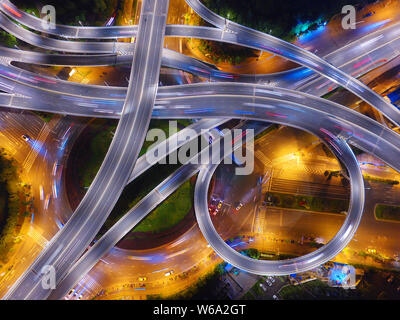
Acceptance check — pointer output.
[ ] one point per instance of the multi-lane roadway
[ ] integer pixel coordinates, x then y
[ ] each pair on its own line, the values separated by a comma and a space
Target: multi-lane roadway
134, 108
73, 239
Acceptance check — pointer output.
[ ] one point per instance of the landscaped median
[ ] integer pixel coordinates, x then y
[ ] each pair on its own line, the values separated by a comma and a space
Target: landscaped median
15, 205
170, 212
308, 203
171, 218
388, 213
217, 52
381, 180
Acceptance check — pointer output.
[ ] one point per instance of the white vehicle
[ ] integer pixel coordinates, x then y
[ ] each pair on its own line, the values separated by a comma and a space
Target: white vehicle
41, 192
54, 188
263, 287
47, 201
170, 272
275, 297
55, 168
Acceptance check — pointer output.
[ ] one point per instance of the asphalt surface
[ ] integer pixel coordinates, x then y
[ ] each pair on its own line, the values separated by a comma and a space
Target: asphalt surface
352, 125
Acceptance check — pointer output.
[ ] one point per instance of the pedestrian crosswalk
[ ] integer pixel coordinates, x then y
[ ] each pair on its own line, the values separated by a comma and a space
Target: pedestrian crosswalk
36, 235
89, 284
263, 158
312, 169
36, 146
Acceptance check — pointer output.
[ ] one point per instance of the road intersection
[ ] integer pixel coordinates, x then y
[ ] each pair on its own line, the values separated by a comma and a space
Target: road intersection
250, 97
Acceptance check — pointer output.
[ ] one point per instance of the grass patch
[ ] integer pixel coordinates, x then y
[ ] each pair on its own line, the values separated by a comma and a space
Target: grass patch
91, 12
387, 212
218, 52
3, 202
258, 255
135, 191
170, 212
97, 149
301, 292
45, 116
282, 19
373, 285
8, 39
164, 126
166, 215
99, 144
248, 296
275, 256
15, 204
308, 203
381, 180
256, 289
316, 289
332, 92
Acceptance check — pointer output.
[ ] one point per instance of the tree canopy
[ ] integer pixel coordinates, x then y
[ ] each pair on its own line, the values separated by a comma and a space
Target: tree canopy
278, 17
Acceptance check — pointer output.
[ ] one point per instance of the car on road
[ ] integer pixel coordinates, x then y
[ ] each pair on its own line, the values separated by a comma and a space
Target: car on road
41, 192
213, 210
238, 206
170, 272
70, 294
275, 297
78, 296
47, 201
26, 137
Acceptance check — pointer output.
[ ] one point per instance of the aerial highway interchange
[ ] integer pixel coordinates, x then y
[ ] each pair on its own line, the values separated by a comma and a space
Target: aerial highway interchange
292, 98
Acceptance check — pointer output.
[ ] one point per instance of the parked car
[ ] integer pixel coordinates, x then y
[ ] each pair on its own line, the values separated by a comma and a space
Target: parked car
70, 294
